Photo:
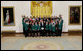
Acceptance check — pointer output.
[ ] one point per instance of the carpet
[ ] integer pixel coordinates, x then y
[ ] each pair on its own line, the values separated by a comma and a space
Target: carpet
42, 43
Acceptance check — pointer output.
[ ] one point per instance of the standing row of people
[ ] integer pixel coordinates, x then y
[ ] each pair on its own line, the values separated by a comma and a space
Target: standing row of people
42, 26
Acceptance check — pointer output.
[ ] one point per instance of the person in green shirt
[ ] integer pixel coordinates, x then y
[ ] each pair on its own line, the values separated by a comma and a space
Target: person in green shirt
23, 24
60, 27
46, 28
36, 29
32, 29
53, 29
50, 29
60, 17
39, 29
26, 24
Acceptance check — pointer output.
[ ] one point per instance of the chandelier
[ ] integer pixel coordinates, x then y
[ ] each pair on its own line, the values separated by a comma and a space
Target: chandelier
41, 1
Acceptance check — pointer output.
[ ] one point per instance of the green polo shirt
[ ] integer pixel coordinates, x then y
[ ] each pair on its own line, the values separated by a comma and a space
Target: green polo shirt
39, 27
47, 27
36, 27
33, 27
26, 26
53, 28
61, 24
50, 26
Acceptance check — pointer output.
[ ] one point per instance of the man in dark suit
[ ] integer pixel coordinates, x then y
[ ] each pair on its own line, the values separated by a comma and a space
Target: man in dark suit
42, 27
32, 29
36, 29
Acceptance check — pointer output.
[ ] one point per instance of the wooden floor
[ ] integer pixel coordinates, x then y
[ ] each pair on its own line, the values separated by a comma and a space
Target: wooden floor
21, 34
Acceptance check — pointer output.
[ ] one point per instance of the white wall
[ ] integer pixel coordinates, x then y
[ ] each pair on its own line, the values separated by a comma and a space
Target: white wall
23, 8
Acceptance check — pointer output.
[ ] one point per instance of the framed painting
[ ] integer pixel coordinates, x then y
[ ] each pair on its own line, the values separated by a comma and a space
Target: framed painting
8, 16
75, 15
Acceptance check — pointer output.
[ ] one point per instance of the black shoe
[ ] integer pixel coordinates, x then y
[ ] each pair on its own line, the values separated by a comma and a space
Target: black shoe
25, 36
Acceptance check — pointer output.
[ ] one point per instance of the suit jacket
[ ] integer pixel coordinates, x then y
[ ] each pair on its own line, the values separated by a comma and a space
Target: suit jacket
42, 24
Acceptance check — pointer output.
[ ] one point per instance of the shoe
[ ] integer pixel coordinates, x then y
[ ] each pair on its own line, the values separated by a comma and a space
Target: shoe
25, 36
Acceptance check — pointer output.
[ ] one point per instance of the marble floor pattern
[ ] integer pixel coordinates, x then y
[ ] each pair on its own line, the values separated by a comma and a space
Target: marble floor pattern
42, 43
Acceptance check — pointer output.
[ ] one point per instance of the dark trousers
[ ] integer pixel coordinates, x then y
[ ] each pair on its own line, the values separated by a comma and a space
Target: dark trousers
26, 33
29, 32
42, 33
23, 31
33, 33
38, 33
53, 33
50, 33
59, 32
46, 32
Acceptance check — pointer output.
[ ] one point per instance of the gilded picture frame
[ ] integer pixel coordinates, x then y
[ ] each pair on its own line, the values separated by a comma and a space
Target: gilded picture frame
74, 15
8, 16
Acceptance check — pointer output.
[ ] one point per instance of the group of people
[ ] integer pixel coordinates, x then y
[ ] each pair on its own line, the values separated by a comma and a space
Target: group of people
46, 26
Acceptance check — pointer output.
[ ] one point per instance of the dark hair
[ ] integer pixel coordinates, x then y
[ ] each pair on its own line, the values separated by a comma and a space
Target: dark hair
29, 21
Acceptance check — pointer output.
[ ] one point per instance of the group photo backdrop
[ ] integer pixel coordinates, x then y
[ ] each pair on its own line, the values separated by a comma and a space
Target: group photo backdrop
24, 8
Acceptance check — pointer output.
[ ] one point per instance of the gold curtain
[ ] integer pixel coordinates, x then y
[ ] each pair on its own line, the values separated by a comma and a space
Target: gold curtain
45, 10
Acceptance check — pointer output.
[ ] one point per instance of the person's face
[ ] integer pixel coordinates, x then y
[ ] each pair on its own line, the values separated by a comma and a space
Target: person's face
46, 22
56, 22
35, 23
24, 16
39, 22
27, 22
32, 23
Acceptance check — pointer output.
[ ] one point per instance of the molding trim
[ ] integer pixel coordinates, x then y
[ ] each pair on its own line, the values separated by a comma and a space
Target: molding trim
75, 30
8, 31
